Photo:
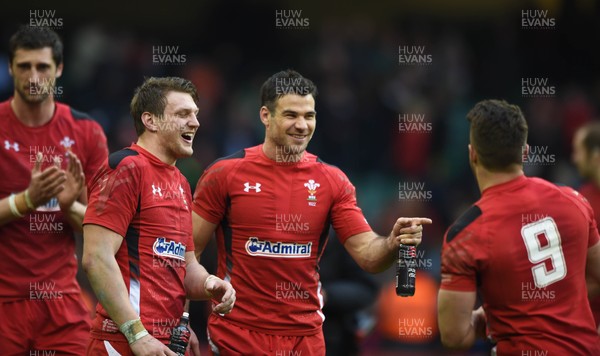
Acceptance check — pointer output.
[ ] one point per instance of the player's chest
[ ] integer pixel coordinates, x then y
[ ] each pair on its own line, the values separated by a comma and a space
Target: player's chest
164, 201
19, 148
287, 200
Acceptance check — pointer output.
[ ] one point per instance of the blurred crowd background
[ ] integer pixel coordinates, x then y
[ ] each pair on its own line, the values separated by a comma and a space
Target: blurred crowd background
478, 50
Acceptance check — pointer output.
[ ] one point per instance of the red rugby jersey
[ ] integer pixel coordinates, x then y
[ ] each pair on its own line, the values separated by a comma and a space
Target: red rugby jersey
592, 194
40, 261
523, 245
273, 221
147, 202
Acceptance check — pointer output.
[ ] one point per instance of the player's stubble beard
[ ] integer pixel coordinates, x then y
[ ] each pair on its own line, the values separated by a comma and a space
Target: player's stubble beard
41, 94
292, 152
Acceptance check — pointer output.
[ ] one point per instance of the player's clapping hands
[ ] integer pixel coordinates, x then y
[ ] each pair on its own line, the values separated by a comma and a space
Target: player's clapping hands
407, 231
222, 292
74, 183
45, 184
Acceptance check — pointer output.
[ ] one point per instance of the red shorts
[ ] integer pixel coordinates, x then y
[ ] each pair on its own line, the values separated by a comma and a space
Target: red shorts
58, 326
227, 339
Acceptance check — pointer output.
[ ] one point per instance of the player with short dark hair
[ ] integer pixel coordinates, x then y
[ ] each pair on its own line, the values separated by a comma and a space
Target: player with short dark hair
138, 247
524, 245
271, 207
48, 152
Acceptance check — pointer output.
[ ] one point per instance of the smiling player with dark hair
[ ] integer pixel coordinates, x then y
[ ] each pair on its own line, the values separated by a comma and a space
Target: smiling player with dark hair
272, 206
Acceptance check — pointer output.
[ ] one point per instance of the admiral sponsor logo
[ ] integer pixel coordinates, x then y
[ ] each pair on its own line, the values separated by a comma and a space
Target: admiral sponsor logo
256, 247
169, 248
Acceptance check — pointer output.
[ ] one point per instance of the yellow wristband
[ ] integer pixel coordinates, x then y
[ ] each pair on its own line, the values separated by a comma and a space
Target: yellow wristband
28, 200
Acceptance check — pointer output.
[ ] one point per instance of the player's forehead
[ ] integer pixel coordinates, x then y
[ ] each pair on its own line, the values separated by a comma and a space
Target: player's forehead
37, 55
295, 103
177, 101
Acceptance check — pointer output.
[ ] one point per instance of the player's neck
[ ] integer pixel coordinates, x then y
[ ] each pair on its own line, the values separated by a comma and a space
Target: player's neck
33, 114
487, 179
151, 144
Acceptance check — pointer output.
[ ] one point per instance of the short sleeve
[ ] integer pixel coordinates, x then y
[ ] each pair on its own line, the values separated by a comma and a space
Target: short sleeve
188, 197
114, 197
593, 236
346, 217
459, 270
210, 195
96, 152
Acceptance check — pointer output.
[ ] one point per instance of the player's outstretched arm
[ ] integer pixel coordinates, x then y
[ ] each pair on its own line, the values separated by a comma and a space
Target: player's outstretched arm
200, 285
99, 248
459, 324
43, 186
375, 253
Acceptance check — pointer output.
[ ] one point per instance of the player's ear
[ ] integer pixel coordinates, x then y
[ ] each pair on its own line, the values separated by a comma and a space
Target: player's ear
265, 115
149, 121
59, 70
472, 154
525, 150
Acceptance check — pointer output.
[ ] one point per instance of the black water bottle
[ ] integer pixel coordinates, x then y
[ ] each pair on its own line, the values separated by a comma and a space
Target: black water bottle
180, 336
406, 271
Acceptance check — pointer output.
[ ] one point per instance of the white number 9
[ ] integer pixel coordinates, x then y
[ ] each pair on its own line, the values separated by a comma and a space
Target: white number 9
538, 254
